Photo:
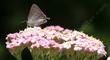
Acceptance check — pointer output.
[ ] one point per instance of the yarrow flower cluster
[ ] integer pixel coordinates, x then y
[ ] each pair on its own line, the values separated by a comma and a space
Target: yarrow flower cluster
55, 37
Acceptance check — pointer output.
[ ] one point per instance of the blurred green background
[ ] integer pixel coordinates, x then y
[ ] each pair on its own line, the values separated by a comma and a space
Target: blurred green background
90, 16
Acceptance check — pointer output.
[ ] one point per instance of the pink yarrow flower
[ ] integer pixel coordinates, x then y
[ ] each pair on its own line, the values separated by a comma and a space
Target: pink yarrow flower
48, 37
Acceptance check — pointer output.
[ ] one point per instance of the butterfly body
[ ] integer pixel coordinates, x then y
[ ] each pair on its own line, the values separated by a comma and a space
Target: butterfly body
36, 17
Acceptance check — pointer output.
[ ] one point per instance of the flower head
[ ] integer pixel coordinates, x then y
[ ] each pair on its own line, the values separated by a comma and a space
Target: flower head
49, 37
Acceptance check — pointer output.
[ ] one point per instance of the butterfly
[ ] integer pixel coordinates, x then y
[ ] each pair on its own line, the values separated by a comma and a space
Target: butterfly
36, 17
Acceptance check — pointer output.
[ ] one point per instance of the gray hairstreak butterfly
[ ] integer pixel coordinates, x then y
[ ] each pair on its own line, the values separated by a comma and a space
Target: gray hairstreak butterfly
36, 17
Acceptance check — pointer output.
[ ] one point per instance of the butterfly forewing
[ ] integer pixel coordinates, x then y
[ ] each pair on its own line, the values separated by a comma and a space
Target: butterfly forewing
36, 17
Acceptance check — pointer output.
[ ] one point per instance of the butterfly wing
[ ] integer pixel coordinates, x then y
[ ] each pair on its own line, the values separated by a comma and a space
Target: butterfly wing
36, 17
